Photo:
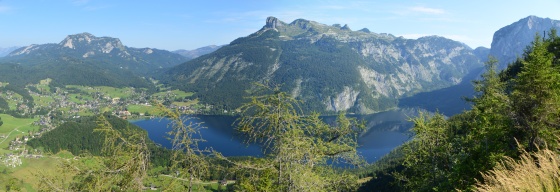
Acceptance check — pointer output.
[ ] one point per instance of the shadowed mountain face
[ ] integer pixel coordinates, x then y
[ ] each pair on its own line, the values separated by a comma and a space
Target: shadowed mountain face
329, 68
508, 44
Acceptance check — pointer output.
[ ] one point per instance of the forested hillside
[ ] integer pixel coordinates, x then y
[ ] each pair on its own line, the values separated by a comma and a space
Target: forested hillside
78, 137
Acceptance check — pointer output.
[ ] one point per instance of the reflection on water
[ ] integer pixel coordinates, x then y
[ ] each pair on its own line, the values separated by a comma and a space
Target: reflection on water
385, 131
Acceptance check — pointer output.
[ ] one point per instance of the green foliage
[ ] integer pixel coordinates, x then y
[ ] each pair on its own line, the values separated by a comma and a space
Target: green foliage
14, 185
189, 161
78, 137
522, 104
123, 169
536, 95
298, 147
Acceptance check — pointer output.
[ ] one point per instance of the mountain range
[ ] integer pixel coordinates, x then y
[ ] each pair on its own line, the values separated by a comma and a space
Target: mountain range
85, 59
109, 50
329, 68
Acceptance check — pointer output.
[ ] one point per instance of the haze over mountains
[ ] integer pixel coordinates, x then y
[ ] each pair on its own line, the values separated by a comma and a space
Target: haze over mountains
191, 54
6, 50
329, 67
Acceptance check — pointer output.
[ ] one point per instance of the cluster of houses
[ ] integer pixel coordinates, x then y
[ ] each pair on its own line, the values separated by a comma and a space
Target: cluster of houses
17, 146
61, 99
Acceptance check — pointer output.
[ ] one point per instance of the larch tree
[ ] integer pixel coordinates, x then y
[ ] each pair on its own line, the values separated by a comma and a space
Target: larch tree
298, 147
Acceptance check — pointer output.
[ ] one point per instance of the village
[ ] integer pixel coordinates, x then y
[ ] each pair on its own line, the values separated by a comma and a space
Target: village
53, 108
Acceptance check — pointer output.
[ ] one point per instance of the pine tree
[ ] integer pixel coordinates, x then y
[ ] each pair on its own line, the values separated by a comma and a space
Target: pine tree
536, 96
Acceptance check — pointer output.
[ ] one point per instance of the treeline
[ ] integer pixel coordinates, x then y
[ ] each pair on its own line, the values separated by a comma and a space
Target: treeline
514, 114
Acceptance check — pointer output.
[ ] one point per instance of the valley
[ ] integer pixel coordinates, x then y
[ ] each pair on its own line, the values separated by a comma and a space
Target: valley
299, 106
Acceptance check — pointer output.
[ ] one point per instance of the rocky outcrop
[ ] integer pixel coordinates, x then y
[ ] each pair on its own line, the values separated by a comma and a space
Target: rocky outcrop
342, 101
271, 23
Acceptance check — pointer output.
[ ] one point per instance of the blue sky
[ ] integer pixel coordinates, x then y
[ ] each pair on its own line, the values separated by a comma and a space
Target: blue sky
181, 24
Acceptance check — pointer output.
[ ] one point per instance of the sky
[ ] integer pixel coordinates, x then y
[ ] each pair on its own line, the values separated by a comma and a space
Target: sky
190, 24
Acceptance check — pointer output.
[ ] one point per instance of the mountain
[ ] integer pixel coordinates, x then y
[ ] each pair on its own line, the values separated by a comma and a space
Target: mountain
482, 53
191, 54
83, 59
6, 50
108, 50
329, 68
510, 41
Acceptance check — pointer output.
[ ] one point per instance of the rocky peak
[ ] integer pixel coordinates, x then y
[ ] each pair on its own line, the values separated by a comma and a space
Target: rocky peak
346, 27
88, 41
510, 41
302, 24
271, 23
365, 30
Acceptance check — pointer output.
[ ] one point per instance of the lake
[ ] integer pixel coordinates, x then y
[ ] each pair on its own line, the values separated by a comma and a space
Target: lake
385, 131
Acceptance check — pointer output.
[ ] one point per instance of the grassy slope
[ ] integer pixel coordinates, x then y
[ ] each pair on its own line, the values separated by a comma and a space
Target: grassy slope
14, 127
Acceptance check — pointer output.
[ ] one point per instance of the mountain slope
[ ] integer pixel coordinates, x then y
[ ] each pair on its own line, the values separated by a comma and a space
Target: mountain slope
330, 68
510, 41
6, 50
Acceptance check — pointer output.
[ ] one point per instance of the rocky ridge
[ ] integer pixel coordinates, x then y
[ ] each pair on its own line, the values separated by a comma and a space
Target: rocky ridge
329, 67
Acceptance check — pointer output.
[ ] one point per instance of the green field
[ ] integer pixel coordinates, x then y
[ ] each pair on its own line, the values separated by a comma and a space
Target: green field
12, 128
79, 98
177, 94
189, 103
12, 103
112, 92
142, 109
32, 170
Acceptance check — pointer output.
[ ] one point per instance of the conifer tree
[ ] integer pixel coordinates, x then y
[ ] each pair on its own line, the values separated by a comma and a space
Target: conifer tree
536, 96
297, 146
